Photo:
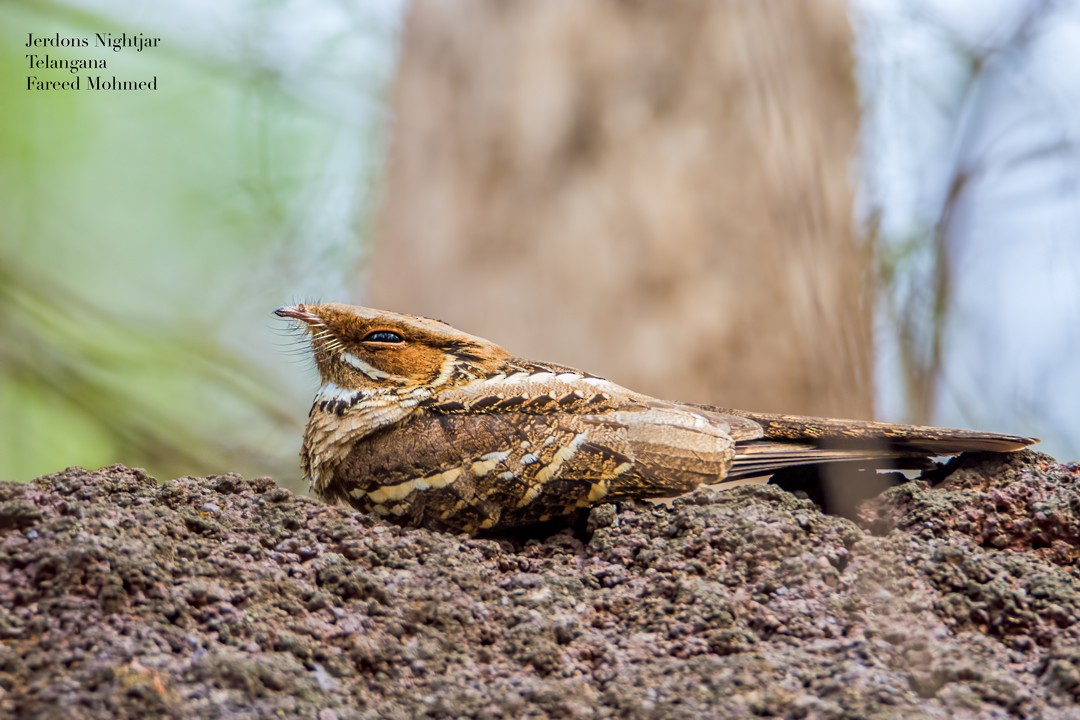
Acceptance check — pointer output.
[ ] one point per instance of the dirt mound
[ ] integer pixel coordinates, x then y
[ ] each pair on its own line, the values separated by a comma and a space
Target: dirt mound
222, 597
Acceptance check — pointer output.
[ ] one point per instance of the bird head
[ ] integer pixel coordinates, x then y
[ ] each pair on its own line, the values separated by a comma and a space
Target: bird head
359, 348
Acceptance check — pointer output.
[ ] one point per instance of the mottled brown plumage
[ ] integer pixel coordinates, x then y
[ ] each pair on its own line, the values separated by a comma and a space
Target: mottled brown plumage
432, 427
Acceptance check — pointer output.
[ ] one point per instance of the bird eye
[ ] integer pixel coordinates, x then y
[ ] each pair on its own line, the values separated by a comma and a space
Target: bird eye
383, 336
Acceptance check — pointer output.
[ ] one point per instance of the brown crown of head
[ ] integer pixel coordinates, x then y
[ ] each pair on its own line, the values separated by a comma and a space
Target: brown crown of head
357, 347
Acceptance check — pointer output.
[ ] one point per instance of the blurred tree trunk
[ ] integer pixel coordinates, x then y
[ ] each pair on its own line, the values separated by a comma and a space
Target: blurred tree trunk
659, 193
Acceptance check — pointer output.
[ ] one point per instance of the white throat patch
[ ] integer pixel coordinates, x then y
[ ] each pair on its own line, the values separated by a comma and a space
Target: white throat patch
331, 392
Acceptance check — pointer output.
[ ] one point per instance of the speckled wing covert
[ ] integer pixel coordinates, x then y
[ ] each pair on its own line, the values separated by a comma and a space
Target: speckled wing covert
471, 460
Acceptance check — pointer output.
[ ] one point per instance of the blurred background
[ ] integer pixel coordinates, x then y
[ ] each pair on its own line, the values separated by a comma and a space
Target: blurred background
860, 209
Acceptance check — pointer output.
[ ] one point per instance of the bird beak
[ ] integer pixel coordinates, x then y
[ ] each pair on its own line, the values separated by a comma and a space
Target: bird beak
297, 313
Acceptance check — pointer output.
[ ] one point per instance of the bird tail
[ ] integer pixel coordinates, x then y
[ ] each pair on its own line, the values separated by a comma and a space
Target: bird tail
794, 440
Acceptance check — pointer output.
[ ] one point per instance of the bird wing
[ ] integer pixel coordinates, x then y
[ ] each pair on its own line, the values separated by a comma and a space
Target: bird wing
466, 471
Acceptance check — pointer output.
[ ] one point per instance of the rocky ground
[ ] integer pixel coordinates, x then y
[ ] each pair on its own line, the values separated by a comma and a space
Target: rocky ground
221, 597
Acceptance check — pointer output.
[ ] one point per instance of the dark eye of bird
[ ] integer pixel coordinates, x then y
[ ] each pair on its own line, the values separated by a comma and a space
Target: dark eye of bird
383, 336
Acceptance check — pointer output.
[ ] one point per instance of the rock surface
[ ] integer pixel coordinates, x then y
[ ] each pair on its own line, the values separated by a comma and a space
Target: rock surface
221, 597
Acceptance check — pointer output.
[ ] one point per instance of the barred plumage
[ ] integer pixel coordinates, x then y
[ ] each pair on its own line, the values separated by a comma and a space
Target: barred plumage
432, 427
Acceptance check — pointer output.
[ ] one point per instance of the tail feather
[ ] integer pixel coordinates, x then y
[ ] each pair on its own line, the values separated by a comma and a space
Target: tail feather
764, 457
795, 440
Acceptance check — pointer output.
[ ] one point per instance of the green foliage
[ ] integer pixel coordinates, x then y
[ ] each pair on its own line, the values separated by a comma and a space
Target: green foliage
146, 239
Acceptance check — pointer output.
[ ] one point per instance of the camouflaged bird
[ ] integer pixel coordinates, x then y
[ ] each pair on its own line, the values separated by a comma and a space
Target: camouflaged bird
432, 427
